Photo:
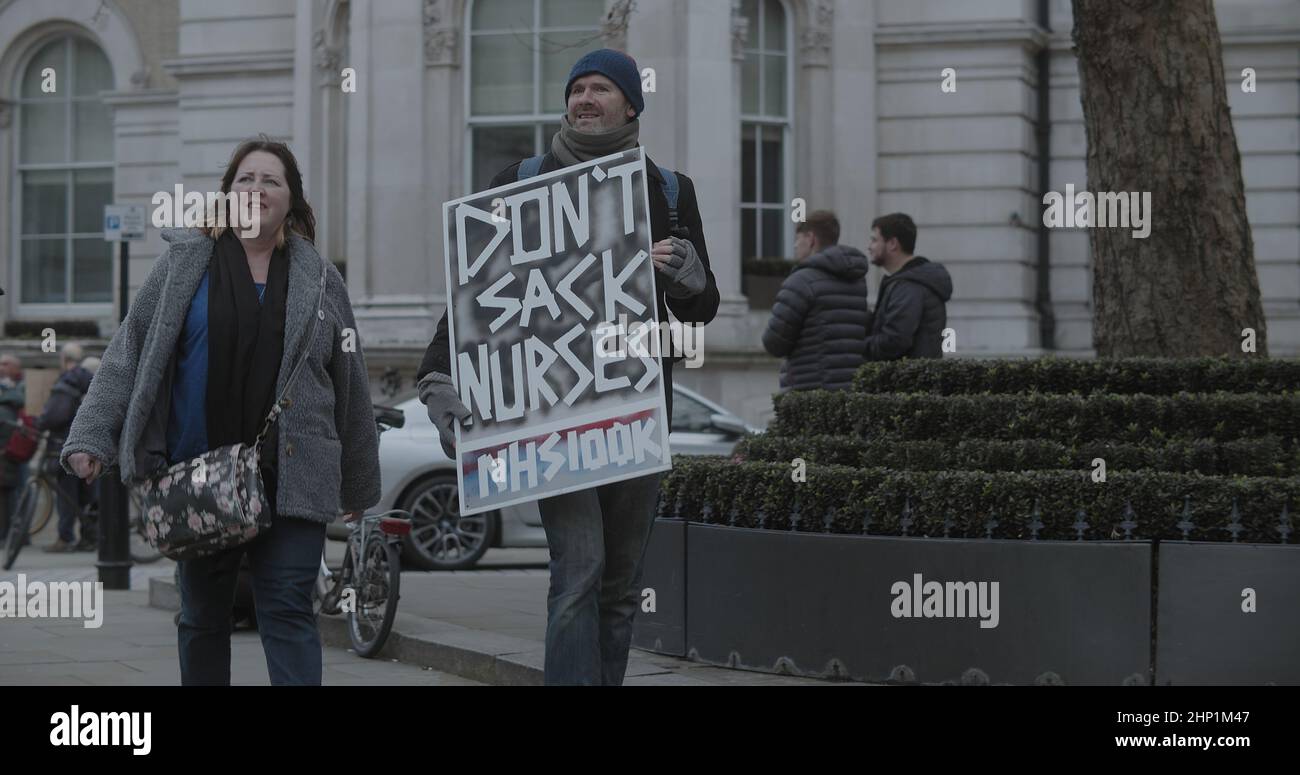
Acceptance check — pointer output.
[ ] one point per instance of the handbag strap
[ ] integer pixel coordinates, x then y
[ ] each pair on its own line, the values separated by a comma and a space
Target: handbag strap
320, 313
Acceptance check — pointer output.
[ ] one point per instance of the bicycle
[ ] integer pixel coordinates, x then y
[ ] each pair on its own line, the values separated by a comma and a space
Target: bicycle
40, 494
368, 585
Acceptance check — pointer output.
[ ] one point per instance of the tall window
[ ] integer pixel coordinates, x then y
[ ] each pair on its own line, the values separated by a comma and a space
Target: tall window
521, 52
65, 175
765, 132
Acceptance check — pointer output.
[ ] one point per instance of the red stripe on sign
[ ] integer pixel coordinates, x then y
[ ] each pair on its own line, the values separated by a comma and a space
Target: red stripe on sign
626, 419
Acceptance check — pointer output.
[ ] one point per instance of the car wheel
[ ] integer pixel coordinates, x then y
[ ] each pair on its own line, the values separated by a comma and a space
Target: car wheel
441, 539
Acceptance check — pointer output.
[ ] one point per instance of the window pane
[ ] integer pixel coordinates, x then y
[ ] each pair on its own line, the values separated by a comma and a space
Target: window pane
748, 241
502, 68
774, 85
53, 55
749, 85
44, 271
748, 163
92, 189
773, 234
548, 132
749, 9
45, 202
496, 148
503, 14
559, 51
773, 165
91, 71
93, 130
44, 133
572, 13
774, 25
92, 270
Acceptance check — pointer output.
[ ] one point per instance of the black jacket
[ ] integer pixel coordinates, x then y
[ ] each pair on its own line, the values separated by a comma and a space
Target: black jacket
697, 309
820, 319
910, 312
61, 406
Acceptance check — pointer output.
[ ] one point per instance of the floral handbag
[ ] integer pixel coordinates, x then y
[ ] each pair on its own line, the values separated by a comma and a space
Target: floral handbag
217, 500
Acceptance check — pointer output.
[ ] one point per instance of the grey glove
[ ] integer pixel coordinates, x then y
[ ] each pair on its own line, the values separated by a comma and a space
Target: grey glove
443, 402
684, 272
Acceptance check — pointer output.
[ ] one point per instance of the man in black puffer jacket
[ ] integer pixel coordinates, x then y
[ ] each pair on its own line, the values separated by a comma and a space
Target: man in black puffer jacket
911, 306
820, 318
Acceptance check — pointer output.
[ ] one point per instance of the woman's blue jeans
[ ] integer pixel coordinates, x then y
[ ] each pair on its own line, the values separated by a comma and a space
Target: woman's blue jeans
285, 561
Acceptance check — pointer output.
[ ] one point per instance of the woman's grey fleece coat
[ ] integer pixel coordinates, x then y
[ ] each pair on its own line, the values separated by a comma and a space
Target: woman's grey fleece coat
328, 444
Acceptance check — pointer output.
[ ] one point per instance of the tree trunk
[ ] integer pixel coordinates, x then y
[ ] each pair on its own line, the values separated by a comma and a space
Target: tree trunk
1156, 112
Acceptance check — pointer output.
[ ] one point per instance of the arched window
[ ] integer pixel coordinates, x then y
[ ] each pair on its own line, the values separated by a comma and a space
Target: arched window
65, 175
521, 52
765, 131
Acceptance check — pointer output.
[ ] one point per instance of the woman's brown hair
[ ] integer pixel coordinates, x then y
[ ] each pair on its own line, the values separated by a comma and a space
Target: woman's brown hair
299, 219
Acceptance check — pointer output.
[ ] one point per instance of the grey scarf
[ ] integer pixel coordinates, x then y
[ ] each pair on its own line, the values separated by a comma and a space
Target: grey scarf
571, 146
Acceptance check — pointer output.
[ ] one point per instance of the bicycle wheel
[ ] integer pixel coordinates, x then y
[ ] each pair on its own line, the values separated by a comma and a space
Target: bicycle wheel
42, 511
377, 588
142, 550
19, 522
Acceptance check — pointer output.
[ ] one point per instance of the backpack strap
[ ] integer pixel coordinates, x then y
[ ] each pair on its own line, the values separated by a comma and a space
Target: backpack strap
529, 167
672, 191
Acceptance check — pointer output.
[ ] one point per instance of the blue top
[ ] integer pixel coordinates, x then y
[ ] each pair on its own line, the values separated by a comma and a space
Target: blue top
187, 429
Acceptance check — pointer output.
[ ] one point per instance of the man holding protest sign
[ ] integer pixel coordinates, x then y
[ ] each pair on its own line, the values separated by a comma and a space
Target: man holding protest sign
597, 534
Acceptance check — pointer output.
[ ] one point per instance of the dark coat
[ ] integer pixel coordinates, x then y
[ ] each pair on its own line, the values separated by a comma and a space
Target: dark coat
910, 312
820, 320
61, 407
697, 309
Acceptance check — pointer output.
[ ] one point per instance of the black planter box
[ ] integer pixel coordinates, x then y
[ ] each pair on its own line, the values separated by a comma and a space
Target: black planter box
824, 605
664, 571
1203, 635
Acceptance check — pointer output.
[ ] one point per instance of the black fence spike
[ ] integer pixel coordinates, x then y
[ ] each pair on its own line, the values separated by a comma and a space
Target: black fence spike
1036, 523
947, 526
991, 524
1186, 525
1129, 522
734, 513
1234, 525
796, 514
867, 519
762, 517
906, 521
706, 511
1284, 523
828, 520
1080, 524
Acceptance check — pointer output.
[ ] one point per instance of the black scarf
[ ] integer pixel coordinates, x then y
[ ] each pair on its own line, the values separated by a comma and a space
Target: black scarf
245, 344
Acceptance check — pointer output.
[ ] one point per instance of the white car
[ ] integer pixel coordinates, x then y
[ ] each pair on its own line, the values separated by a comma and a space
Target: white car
419, 478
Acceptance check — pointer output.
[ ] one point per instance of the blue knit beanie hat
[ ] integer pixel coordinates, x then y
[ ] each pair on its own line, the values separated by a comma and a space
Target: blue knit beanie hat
617, 67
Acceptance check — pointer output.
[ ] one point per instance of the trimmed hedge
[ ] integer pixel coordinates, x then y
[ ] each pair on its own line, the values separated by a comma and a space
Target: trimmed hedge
1265, 456
1066, 419
840, 499
1156, 376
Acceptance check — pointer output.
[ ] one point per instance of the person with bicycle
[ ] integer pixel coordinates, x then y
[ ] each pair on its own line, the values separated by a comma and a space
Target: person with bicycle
13, 397
56, 417
597, 537
210, 339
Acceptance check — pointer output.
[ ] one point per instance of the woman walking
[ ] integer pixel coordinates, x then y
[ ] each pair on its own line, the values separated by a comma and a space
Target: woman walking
209, 344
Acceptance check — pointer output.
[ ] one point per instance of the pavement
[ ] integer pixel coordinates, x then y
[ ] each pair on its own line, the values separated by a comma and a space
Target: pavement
481, 626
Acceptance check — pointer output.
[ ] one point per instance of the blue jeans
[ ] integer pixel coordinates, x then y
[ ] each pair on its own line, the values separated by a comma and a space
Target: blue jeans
284, 561
597, 539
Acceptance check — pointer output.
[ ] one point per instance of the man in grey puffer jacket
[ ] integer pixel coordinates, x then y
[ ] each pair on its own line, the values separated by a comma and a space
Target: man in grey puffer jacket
911, 306
820, 318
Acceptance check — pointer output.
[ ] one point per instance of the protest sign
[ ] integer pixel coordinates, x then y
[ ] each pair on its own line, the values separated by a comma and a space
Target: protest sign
553, 323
